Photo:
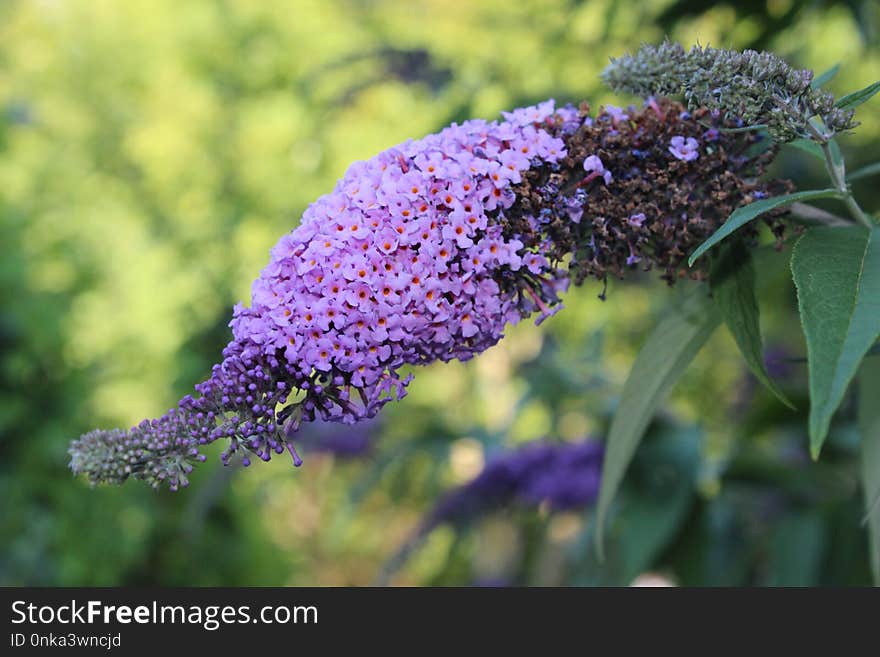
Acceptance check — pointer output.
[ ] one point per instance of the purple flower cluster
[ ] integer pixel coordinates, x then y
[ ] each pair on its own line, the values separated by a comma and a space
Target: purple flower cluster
400, 263
156, 450
405, 262
562, 476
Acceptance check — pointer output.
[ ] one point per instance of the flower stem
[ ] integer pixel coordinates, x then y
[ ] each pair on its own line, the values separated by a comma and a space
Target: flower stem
837, 172
810, 215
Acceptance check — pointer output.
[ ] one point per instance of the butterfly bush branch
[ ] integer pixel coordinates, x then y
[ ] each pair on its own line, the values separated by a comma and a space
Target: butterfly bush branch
837, 172
427, 252
813, 215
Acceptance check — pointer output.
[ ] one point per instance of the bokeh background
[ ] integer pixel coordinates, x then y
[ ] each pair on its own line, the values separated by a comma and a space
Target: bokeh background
152, 151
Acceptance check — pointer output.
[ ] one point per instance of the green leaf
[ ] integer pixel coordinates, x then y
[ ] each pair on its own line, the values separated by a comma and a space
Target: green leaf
742, 216
733, 289
652, 507
837, 274
799, 543
864, 172
663, 358
808, 146
825, 77
858, 97
869, 428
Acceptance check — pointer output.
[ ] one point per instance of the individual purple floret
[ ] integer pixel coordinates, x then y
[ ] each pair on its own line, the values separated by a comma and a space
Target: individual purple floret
684, 149
636, 220
596, 169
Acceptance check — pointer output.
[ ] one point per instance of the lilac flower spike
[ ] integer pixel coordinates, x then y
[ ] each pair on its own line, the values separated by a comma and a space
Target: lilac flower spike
425, 253
398, 265
684, 149
405, 262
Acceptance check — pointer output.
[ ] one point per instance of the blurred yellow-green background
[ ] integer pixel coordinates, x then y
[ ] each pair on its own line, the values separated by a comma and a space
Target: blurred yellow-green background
152, 151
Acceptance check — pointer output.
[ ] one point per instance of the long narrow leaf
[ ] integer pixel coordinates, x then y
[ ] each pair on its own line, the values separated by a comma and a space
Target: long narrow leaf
663, 358
808, 146
733, 288
837, 274
858, 97
825, 77
864, 172
742, 216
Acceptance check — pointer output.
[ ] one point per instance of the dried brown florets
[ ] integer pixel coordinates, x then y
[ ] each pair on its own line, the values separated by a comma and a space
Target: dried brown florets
642, 189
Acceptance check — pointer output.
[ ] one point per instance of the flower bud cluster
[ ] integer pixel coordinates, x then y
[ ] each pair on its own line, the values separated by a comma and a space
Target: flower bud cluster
755, 87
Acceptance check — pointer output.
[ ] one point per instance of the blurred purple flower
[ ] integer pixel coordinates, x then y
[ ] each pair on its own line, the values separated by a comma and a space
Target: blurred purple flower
779, 361
563, 476
341, 440
780, 364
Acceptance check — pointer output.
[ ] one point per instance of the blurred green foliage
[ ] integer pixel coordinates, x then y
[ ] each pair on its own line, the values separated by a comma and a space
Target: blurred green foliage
152, 151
